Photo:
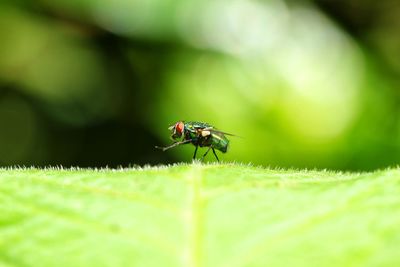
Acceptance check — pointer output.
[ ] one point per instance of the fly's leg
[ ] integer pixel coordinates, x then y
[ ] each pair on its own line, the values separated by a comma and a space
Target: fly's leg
215, 154
205, 154
173, 145
195, 151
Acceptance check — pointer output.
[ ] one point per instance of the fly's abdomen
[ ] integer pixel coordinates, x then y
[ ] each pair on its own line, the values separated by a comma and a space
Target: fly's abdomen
220, 142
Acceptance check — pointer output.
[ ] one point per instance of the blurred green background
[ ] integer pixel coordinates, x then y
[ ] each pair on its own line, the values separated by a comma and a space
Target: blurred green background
96, 83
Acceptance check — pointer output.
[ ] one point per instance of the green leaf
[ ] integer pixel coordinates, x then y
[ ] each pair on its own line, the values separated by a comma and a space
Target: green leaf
198, 215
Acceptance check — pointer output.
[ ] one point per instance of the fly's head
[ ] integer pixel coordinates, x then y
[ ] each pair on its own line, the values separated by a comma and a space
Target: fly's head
177, 130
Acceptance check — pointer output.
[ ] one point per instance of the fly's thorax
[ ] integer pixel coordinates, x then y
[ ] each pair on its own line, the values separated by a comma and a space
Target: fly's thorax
190, 135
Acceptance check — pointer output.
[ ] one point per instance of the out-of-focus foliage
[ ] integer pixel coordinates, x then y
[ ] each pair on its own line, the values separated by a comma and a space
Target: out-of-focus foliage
95, 83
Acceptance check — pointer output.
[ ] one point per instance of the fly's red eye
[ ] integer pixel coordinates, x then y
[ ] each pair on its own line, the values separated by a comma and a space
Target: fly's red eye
179, 127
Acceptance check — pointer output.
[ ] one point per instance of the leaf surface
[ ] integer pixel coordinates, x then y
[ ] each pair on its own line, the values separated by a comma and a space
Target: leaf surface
198, 215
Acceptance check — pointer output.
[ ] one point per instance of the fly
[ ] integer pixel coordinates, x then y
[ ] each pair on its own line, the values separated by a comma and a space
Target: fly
199, 134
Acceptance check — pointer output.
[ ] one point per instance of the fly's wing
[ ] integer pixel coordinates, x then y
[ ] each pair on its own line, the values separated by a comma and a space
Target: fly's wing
212, 130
